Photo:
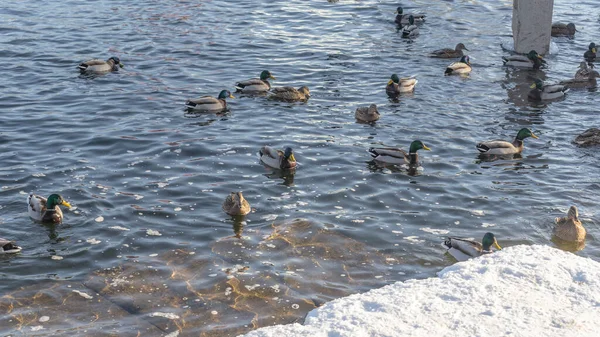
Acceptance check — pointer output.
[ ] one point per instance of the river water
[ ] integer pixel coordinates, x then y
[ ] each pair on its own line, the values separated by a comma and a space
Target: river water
147, 238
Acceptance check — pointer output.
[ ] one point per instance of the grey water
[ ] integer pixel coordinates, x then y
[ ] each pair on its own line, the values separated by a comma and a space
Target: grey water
123, 152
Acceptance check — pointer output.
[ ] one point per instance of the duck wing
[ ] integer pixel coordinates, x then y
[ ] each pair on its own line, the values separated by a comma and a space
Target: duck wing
463, 249
484, 147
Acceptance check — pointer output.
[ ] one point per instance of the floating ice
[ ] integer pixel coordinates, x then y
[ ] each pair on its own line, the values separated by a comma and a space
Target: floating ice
44, 319
56, 257
99, 219
153, 232
93, 241
119, 228
84, 295
165, 315
435, 231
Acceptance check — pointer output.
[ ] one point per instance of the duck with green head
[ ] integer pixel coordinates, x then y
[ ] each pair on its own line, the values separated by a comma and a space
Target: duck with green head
46, 210
394, 155
278, 159
464, 249
403, 19
396, 85
462, 67
410, 30
502, 147
541, 92
209, 103
100, 66
256, 85
530, 61
590, 54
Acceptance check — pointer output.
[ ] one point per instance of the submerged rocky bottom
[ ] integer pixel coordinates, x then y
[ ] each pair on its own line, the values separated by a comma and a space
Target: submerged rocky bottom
240, 287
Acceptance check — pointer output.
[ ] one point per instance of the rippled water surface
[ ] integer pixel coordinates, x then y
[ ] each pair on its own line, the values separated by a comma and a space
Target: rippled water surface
147, 238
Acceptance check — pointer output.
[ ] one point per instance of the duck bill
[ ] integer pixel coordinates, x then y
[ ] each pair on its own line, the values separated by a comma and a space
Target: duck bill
66, 204
390, 82
231, 96
396, 12
272, 77
594, 50
426, 148
497, 245
534, 136
532, 86
292, 158
121, 65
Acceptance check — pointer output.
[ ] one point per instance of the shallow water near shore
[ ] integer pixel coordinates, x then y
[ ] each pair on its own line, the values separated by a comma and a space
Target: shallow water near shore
147, 234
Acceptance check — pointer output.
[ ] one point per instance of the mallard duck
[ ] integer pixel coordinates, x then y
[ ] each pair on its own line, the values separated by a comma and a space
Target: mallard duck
403, 19
541, 92
394, 155
8, 247
278, 159
531, 61
562, 29
585, 77
569, 228
256, 85
464, 249
583, 73
590, 137
367, 114
290, 94
410, 30
46, 210
449, 52
462, 67
209, 103
235, 204
397, 85
502, 147
590, 54
100, 66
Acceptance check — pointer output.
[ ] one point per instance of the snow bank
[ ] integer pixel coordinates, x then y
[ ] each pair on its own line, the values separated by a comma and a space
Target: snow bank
519, 291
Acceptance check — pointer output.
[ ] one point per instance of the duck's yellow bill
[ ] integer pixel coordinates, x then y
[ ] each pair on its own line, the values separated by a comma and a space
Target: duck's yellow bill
390, 82
534, 136
231, 96
66, 204
497, 245
272, 77
426, 148
594, 50
532, 86
292, 158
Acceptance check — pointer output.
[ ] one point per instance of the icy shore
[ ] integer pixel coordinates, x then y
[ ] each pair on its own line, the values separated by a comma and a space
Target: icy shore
519, 291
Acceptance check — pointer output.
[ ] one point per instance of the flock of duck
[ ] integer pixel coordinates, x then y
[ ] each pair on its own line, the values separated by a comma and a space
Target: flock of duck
568, 229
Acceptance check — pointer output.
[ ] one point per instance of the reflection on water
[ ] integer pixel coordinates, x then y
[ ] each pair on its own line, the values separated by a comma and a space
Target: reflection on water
149, 240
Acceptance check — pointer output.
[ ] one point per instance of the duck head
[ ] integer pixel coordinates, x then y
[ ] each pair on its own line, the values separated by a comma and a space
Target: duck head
225, 94
416, 146
56, 200
116, 60
488, 240
524, 133
265, 75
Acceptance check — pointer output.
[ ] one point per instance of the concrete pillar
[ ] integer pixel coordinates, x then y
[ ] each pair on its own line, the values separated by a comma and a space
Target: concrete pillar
532, 25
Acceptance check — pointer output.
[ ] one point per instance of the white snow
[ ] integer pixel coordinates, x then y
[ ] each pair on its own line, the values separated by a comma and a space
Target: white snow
518, 291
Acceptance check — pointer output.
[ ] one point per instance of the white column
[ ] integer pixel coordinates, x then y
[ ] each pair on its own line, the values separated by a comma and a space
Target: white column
532, 25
